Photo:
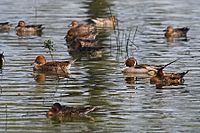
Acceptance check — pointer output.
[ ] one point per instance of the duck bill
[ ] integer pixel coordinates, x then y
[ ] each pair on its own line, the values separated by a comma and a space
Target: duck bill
70, 25
33, 63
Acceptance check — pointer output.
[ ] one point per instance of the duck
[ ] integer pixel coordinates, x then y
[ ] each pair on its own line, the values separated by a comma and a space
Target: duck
57, 67
105, 22
81, 31
58, 110
171, 32
22, 27
6, 26
2, 60
133, 67
82, 28
167, 78
79, 44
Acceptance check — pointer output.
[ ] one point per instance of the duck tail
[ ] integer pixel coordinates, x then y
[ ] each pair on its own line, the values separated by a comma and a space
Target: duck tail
186, 29
184, 73
161, 68
5, 23
41, 28
94, 21
89, 109
72, 61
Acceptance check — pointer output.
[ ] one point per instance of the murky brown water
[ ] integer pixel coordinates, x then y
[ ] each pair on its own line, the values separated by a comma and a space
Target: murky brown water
125, 104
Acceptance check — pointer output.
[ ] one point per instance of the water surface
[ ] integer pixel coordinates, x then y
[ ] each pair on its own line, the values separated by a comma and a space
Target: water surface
125, 104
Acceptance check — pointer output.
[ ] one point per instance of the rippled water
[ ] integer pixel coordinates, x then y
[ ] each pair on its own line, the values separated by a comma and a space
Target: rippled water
124, 104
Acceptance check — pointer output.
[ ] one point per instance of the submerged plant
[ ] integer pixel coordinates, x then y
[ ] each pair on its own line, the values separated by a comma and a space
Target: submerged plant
49, 44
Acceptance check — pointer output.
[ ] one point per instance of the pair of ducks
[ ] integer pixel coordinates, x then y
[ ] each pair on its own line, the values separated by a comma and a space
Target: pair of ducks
59, 67
22, 28
80, 35
84, 35
159, 77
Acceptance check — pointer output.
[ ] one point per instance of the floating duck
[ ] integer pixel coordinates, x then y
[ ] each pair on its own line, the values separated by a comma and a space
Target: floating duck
23, 29
58, 110
51, 67
176, 32
167, 79
133, 67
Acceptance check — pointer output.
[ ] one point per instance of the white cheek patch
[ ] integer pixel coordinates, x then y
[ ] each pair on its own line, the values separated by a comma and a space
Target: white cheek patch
3, 61
135, 63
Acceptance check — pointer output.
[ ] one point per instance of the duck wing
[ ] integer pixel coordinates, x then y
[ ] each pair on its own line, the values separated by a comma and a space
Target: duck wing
38, 27
78, 110
5, 23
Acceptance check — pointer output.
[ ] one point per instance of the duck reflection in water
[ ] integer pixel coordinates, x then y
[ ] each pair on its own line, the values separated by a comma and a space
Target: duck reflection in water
92, 53
64, 113
41, 77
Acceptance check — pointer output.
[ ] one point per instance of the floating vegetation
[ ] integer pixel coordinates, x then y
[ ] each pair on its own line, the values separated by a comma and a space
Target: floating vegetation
49, 44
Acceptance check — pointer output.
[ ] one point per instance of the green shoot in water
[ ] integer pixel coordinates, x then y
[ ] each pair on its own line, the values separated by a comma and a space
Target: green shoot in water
49, 44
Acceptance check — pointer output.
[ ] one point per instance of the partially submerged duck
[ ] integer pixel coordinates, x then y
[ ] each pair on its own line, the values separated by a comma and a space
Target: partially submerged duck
58, 110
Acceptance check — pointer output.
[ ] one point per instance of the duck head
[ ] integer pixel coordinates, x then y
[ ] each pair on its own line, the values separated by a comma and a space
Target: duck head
131, 61
40, 60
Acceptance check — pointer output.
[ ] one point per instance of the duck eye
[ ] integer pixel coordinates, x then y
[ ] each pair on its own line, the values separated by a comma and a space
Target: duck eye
36, 61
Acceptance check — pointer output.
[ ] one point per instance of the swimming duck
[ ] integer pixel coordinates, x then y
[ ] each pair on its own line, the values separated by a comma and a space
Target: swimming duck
81, 31
82, 28
51, 67
22, 27
167, 79
78, 44
176, 32
105, 22
58, 110
133, 67
2, 60
5, 26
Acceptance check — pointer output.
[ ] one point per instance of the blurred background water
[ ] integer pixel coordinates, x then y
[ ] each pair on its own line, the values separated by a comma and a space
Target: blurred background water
125, 104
